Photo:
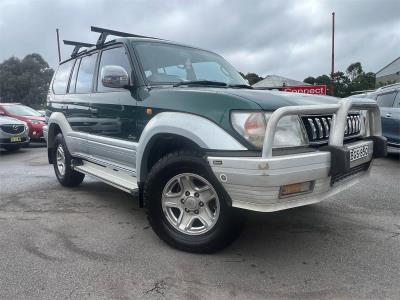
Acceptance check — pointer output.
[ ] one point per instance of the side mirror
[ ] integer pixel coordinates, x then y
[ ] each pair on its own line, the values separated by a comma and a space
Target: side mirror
114, 77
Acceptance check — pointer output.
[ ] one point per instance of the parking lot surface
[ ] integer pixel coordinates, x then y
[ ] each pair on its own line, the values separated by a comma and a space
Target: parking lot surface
95, 242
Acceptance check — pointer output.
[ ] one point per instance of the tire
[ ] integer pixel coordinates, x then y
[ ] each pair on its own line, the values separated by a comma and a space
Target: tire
184, 167
66, 175
12, 148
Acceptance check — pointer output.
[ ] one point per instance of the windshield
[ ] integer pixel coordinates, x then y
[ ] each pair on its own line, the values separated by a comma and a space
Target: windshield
21, 110
169, 64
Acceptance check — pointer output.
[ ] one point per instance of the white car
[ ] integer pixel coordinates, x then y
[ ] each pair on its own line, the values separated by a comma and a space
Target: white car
14, 133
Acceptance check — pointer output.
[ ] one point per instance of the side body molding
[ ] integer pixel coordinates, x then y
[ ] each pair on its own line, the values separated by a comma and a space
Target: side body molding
76, 141
201, 131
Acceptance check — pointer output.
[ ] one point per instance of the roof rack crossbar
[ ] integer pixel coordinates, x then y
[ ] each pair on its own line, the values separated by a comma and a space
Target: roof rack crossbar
106, 32
78, 45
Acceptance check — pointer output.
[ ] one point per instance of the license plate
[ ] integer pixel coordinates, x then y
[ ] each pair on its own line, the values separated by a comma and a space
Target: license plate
15, 139
359, 152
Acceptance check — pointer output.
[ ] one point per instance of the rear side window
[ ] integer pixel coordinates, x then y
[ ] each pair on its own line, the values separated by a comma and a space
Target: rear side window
85, 74
61, 78
113, 57
385, 100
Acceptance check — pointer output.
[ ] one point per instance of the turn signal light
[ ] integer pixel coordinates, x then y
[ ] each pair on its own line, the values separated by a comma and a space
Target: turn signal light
296, 188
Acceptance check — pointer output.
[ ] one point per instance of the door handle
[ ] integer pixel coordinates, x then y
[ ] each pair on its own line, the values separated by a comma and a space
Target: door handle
93, 111
388, 115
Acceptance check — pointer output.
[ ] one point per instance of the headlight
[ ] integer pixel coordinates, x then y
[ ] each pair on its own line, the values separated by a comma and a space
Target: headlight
289, 131
36, 122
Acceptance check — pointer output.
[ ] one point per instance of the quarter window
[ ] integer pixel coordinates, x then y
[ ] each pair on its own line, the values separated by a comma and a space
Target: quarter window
85, 74
112, 57
62, 77
385, 100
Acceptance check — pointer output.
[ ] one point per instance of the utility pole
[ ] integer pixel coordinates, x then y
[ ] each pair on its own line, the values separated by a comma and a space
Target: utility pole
58, 45
333, 53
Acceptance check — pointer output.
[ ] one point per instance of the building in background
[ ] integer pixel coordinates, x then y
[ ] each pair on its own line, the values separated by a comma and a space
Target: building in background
275, 82
389, 74
271, 82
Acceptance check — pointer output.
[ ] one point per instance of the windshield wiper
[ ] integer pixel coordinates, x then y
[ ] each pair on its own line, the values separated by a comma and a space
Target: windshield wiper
240, 86
201, 82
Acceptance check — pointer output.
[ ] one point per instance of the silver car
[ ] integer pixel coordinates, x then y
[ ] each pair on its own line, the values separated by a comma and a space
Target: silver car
14, 133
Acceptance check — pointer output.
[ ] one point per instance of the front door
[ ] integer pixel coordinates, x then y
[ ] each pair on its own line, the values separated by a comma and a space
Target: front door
113, 138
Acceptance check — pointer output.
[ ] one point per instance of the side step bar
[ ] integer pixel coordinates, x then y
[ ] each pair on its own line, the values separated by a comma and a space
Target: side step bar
120, 179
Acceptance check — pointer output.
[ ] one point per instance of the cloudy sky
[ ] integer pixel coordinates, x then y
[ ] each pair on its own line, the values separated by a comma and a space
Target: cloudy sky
288, 38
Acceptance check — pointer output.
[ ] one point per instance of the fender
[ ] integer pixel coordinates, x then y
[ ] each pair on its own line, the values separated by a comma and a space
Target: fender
201, 131
74, 140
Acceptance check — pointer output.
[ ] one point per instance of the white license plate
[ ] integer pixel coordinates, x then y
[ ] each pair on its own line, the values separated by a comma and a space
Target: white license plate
359, 152
14, 139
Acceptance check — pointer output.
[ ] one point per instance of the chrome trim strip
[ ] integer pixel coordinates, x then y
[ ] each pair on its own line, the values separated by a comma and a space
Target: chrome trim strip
321, 131
326, 126
314, 130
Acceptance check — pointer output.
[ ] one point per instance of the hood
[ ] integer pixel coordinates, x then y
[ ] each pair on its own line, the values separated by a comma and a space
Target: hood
12, 121
272, 100
39, 118
242, 98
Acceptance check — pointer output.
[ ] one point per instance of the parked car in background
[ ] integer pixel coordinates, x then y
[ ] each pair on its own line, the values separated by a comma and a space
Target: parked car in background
41, 111
388, 99
13, 133
33, 118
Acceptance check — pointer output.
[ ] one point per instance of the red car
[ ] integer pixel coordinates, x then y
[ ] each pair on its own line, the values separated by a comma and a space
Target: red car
33, 118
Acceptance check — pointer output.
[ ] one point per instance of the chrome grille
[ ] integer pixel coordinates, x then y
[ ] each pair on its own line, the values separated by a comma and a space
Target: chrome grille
318, 127
12, 129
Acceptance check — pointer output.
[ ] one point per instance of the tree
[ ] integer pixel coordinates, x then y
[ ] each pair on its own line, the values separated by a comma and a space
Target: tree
25, 81
345, 84
341, 85
364, 81
354, 70
252, 77
384, 83
310, 80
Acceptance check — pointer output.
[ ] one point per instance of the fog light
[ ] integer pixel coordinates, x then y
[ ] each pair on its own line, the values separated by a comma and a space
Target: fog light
296, 188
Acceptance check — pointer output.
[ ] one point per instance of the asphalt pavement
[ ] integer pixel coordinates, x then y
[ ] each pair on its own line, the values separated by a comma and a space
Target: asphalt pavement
94, 242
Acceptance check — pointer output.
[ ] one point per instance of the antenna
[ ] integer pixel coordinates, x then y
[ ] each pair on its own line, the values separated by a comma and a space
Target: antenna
58, 45
78, 45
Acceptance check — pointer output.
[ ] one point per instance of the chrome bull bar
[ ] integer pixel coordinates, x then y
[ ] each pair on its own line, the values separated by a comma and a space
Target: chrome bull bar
339, 119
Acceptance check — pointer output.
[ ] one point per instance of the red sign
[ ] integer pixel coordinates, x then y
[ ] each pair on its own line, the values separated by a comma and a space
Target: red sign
306, 89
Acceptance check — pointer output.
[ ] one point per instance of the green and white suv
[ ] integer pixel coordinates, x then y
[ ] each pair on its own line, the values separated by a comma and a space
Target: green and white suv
180, 125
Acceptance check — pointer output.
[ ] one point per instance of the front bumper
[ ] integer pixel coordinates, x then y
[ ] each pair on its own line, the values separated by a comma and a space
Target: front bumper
36, 132
7, 142
45, 132
255, 183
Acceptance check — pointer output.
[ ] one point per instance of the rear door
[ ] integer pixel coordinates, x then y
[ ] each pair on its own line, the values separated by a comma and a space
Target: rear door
389, 125
113, 111
77, 102
59, 101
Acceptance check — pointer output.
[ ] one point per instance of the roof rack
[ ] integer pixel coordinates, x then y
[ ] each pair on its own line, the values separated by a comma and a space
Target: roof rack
78, 45
106, 32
